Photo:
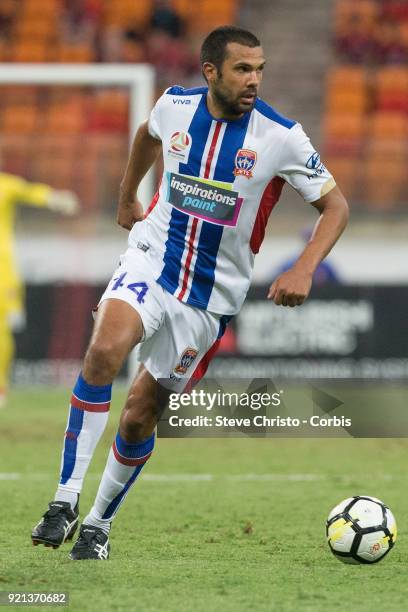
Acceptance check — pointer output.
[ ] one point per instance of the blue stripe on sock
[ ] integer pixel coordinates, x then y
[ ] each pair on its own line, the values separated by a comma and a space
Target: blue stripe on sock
133, 451
114, 505
76, 418
130, 451
92, 393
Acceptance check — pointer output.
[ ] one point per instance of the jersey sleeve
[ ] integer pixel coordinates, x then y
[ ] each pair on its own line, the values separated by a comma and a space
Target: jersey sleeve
155, 119
301, 167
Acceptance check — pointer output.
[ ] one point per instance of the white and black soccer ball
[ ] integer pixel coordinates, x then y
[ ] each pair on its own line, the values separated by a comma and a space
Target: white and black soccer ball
361, 529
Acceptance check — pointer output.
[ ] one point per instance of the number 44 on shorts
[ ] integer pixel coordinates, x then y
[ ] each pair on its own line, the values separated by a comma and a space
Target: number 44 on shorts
139, 289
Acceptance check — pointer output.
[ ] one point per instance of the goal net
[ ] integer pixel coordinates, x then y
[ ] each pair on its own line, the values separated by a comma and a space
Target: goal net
68, 126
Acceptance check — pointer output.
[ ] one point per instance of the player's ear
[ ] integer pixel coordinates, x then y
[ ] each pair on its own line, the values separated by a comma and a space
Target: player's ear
209, 71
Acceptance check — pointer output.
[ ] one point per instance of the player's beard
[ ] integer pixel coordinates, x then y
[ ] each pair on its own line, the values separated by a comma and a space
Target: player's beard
230, 106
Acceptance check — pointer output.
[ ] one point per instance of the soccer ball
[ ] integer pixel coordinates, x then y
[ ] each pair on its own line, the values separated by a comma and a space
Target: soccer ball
361, 529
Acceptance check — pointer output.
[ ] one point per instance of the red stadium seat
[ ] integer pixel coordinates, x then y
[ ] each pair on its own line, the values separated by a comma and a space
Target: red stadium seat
26, 51
391, 89
343, 133
185, 8
345, 171
15, 95
17, 151
65, 118
366, 11
388, 125
33, 8
347, 77
396, 147
127, 13
74, 54
353, 101
34, 28
19, 119
109, 112
394, 78
384, 182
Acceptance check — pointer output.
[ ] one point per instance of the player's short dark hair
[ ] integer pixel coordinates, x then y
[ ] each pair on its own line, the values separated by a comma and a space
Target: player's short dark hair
213, 49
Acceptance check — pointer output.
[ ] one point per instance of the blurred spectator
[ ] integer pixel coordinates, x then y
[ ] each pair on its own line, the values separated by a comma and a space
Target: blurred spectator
397, 10
355, 44
7, 13
170, 56
132, 48
81, 20
111, 41
165, 18
325, 272
389, 48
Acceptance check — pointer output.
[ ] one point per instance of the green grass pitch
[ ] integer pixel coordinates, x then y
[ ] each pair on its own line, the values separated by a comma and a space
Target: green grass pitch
231, 525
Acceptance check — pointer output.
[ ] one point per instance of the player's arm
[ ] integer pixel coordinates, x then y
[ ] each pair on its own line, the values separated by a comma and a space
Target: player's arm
39, 195
145, 151
292, 287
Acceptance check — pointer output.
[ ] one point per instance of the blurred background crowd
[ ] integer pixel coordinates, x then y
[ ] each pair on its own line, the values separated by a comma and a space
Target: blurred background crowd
363, 101
340, 67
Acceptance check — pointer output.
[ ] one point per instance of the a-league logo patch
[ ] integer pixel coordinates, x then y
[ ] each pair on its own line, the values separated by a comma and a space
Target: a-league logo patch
186, 359
180, 145
179, 141
245, 161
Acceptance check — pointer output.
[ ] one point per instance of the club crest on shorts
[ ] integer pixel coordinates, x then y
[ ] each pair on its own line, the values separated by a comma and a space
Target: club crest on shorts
186, 359
245, 161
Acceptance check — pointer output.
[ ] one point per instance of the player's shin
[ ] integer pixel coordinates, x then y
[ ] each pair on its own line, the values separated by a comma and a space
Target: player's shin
88, 415
124, 464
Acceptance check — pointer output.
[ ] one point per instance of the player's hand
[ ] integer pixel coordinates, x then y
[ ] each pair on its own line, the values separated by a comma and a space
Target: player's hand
65, 202
291, 288
129, 213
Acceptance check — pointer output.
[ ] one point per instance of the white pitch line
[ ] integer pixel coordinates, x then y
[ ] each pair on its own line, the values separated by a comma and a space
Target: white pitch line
279, 477
272, 477
178, 477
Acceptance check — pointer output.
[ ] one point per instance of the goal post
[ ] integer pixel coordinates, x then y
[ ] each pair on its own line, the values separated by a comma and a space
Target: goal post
139, 78
69, 250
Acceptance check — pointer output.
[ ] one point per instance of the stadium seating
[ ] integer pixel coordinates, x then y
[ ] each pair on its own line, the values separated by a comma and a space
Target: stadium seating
366, 104
74, 53
391, 86
34, 28
27, 51
204, 15
19, 119
127, 13
53, 122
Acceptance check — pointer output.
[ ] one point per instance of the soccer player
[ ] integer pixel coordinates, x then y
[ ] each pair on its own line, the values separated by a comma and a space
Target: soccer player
13, 191
227, 155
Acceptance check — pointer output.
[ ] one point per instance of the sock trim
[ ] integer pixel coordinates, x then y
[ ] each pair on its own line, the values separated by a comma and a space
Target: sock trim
127, 460
92, 393
89, 406
132, 454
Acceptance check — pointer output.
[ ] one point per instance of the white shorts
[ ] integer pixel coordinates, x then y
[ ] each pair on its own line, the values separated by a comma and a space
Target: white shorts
178, 339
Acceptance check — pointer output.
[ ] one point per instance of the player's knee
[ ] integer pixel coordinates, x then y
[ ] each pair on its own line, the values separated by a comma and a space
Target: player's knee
139, 417
102, 359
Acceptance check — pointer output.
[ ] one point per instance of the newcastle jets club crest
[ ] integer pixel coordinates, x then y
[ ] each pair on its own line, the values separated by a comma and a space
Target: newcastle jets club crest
186, 360
245, 161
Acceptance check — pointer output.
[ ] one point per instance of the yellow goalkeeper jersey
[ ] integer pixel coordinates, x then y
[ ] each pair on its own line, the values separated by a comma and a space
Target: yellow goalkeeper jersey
14, 191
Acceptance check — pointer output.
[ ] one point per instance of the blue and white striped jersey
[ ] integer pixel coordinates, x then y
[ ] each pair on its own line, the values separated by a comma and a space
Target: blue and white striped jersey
220, 182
